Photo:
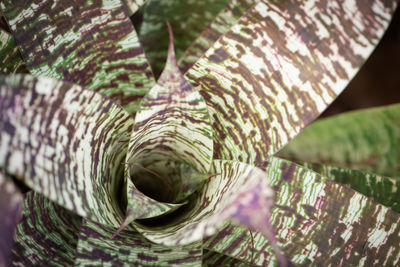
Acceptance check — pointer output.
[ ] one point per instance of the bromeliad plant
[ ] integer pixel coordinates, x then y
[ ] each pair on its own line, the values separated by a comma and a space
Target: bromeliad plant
126, 171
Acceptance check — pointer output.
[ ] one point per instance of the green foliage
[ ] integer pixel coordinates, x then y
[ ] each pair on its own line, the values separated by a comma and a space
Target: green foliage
127, 171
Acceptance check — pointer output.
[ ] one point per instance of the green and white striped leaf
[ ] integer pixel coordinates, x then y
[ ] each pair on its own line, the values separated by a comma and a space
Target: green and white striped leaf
64, 142
385, 190
237, 192
172, 134
170, 150
187, 18
173, 120
226, 18
211, 258
90, 43
10, 58
47, 234
366, 139
95, 248
11, 202
279, 67
317, 221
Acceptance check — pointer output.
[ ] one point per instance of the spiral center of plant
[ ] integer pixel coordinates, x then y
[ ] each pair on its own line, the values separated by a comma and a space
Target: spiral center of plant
165, 181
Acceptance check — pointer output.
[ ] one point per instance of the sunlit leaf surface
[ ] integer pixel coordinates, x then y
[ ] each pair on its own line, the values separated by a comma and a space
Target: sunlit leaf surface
275, 70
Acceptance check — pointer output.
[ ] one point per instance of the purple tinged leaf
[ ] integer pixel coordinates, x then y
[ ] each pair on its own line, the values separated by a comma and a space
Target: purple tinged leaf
64, 142
227, 196
11, 202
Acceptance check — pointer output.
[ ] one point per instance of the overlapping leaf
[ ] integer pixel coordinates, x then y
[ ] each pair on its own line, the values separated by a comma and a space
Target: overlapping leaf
368, 140
95, 248
187, 18
10, 57
46, 235
211, 258
65, 142
228, 16
275, 70
11, 201
90, 43
170, 150
317, 221
236, 192
384, 190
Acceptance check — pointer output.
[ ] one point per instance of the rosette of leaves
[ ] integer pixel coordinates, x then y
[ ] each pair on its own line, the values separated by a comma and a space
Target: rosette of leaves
128, 171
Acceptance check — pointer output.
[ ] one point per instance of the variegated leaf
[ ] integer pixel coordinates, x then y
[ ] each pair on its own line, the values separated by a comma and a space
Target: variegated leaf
10, 58
211, 258
228, 16
172, 133
170, 150
95, 248
367, 139
275, 70
317, 222
11, 202
385, 190
238, 192
65, 142
47, 234
90, 43
187, 18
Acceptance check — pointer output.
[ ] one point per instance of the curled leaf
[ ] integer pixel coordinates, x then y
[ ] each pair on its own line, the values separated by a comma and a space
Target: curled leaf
47, 234
280, 66
64, 142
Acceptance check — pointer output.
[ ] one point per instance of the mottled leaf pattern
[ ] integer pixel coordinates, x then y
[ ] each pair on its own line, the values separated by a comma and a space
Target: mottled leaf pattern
228, 16
65, 142
11, 202
317, 221
90, 43
280, 66
272, 68
10, 58
172, 133
95, 248
218, 201
211, 258
46, 235
367, 139
385, 190
187, 18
